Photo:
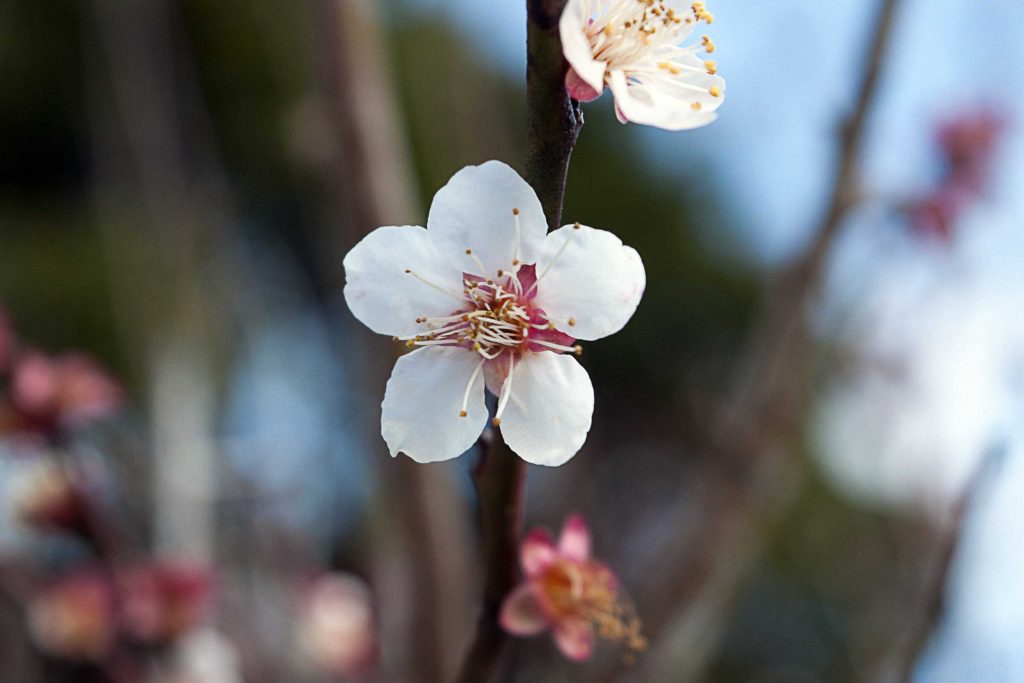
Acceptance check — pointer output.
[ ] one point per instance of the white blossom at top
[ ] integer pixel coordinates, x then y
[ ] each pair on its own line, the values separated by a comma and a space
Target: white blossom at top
487, 298
633, 47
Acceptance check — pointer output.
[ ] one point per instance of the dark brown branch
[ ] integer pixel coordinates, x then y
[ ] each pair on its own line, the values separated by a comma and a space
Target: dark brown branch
500, 479
553, 119
553, 124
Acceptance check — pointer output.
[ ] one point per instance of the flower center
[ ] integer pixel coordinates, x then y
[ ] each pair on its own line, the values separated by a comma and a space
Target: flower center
628, 29
497, 315
590, 590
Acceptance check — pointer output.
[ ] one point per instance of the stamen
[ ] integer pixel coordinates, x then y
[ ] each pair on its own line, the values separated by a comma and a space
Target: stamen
575, 228
506, 392
477, 261
578, 350
515, 218
469, 387
431, 284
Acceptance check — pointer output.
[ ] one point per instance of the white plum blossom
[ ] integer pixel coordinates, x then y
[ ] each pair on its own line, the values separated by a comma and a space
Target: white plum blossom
633, 47
489, 299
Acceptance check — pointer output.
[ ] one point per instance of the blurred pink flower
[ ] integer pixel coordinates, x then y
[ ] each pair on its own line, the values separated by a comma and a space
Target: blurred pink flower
936, 215
634, 48
162, 601
968, 144
46, 497
74, 618
336, 629
66, 390
567, 592
969, 141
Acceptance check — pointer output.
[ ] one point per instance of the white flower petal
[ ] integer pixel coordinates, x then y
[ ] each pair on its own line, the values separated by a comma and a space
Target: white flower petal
387, 299
548, 417
521, 613
420, 413
576, 46
593, 282
667, 102
475, 211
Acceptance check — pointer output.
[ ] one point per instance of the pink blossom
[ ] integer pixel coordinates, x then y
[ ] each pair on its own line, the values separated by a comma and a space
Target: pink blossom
968, 144
336, 629
569, 593
74, 618
66, 390
47, 497
969, 141
163, 601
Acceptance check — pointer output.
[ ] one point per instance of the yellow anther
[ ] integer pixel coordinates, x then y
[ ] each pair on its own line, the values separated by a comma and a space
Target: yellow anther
411, 343
715, 92
578, 350
576, 226
709, 47
515, 212
696, 106
712, 66
496, 422
463, 413
515, 262
572, 322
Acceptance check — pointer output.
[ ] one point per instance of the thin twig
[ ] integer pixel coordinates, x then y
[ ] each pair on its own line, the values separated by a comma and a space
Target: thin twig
500, 479
373, 186
933, 603
553, 125
771, 390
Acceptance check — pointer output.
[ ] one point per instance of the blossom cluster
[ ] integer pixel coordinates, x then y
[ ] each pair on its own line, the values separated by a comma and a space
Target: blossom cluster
98, 601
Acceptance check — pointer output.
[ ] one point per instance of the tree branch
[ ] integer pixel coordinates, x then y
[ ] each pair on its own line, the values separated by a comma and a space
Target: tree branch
770, 392
553, 125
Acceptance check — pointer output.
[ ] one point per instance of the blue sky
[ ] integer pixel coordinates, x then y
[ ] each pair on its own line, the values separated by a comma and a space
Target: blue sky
790, 66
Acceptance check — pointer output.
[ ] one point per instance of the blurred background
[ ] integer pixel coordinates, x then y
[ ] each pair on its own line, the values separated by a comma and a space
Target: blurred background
807, 456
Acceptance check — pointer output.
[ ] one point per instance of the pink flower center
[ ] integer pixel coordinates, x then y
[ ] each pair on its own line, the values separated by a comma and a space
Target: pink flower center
589, 590
498, 316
